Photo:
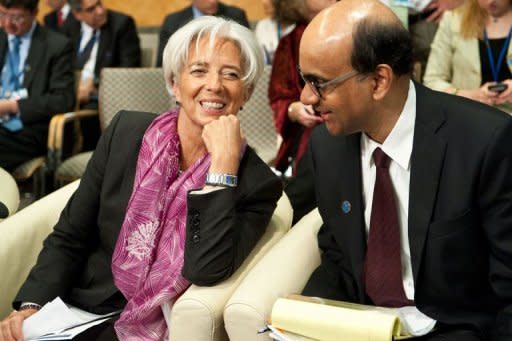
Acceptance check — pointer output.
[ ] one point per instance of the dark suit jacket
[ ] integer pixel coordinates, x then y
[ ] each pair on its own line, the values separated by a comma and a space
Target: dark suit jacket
460, 214
222, 227
48, 79
50, 21
176, 20
118, 46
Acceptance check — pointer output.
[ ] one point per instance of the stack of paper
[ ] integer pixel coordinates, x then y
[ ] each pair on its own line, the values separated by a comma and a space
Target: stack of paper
58, 321
342, 321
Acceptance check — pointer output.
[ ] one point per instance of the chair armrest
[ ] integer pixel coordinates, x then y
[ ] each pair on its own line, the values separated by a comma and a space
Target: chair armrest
285, 269
56, 133
22, 237
197, 314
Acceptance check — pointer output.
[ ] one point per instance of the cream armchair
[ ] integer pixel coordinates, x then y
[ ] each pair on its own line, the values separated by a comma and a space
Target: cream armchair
22, 240
196, 315
283, 270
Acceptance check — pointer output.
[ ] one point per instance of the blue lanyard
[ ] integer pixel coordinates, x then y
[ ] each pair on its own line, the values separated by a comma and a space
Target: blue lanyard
279, 31
495, 68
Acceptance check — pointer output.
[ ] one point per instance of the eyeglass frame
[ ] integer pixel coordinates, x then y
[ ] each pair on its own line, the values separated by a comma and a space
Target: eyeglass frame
317, 87
15, 19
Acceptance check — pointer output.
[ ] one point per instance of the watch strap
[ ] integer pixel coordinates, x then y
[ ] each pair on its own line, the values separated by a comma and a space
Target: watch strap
219, 179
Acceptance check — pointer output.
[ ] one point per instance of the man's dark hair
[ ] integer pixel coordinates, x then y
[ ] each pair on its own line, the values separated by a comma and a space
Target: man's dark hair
376, 42
31, 5
75, 4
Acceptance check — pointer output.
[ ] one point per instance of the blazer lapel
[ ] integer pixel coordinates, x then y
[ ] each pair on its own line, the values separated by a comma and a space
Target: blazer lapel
349, 208
35, 56
426, 165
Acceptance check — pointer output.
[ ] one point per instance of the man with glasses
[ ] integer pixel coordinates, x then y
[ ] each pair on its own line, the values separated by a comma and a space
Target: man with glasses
414, 186
101, 38
36, 82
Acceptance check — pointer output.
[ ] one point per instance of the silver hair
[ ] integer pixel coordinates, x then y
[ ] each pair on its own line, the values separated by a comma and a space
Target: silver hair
176, 50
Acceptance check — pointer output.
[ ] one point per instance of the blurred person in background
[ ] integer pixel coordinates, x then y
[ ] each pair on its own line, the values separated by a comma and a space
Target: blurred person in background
294, 121
281, 18
471, 53
37, 82
174, 21
60, 14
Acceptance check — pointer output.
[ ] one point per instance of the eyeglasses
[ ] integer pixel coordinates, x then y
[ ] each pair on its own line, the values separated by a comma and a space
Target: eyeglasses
14, 19
317, 86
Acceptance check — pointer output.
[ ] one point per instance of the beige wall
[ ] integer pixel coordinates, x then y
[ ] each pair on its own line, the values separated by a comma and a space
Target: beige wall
152, 12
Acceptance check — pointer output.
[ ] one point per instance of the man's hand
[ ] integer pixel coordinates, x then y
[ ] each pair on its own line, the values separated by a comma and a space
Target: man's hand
439, 7
85, 89
10, 328
8, 106
303, 114
224, 140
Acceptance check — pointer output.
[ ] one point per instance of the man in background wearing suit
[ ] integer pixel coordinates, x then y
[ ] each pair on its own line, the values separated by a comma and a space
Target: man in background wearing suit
101, 38
199, 7
36, 82
60, 14
414, 186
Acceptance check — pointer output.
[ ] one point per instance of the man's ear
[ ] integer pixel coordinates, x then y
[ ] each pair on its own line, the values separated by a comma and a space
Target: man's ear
383, 77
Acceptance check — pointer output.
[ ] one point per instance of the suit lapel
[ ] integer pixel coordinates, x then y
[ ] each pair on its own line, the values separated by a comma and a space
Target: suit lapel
426, 165
350, 231
35, 56
103, 47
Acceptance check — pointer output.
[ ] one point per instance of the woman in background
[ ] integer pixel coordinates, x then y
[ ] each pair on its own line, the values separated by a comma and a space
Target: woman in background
294, 121
280, 20
166, 200
471, 54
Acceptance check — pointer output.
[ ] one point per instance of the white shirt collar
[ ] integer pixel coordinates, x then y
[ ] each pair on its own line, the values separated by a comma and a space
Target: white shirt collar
398, 144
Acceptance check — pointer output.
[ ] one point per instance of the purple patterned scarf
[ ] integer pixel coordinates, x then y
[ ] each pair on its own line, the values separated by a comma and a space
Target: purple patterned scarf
148, 257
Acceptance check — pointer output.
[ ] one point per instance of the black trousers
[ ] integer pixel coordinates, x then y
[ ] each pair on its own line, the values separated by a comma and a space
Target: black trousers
18, 147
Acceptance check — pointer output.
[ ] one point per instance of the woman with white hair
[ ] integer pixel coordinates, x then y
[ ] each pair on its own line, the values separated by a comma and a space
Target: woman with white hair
166, 200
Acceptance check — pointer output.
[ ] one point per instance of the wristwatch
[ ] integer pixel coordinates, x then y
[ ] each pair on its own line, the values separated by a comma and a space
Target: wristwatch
217, 179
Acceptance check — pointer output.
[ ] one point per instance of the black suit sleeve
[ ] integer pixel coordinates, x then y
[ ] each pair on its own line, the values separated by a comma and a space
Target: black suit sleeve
61, 262
51, 90
301, 189
223, 226
495, 196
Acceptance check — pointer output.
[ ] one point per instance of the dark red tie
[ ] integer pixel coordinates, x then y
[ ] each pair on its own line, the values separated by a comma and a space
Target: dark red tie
383, 269
60, 18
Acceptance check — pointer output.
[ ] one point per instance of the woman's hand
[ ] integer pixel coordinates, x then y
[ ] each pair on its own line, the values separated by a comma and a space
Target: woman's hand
482, 94
506, 95
224, 140
303, 114
10, 328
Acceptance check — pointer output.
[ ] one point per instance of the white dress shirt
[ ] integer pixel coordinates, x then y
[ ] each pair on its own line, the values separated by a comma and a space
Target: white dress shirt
88, 69
398, 146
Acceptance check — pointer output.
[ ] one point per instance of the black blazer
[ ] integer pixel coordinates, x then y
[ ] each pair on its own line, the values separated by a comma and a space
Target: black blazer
459, 221
118, 46
48, 79
176, 20
222, 227
50, 21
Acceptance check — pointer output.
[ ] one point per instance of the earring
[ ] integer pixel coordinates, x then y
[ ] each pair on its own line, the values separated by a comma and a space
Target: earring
178, 103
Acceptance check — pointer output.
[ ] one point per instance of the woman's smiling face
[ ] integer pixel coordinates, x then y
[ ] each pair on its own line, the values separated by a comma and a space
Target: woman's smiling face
210, 83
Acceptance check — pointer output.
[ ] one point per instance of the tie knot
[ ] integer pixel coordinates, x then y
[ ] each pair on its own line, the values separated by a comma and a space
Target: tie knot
16, 42
380, 158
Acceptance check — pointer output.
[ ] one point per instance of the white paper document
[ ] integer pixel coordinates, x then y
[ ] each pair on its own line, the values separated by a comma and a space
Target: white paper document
58, 321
